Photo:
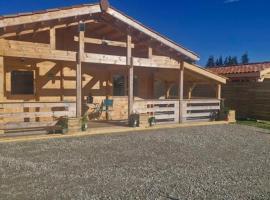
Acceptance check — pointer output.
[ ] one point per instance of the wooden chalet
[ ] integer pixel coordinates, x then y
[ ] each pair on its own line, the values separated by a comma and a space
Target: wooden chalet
67, 61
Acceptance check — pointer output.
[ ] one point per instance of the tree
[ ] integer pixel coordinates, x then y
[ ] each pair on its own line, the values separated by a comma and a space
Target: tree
234, 60
230, 62
210, 62
220, 61
245, 58
226, 62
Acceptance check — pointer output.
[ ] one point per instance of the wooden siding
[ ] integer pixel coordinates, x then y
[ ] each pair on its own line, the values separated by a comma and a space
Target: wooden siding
249, 99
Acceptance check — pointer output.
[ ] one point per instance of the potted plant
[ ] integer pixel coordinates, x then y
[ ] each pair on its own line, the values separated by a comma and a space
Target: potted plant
224, 112
84, 122
152, 121
63, 122
134, 120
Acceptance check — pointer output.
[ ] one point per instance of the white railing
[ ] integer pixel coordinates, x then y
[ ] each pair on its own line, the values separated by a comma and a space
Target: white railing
23, 115
164, 111
200, 109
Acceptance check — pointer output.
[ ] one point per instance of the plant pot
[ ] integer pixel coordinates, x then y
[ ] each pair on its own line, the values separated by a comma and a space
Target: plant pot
152, 121
84, 127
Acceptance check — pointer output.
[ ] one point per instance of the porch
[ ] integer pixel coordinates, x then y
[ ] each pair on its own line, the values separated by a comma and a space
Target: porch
41, 117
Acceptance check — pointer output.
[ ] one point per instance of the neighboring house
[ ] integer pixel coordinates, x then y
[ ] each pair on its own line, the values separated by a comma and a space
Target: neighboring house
248, 89
253, 72
67, 61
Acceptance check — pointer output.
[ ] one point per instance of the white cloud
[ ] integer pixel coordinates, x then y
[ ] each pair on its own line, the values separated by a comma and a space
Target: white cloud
231, 1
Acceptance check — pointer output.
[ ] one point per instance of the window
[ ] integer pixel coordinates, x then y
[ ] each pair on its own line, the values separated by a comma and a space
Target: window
22, 82
118, 85
159, 89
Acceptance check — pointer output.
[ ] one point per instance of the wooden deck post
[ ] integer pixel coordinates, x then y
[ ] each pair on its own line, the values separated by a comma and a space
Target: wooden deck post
181, 91
218, 91
52, 38
2, 76
130, 76
80, 57
2, 80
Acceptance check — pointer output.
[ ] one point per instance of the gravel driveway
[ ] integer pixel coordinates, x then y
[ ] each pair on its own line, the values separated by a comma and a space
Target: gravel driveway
211, 162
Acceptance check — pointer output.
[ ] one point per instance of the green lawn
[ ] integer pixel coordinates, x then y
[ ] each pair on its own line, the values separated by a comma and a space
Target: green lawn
256, 123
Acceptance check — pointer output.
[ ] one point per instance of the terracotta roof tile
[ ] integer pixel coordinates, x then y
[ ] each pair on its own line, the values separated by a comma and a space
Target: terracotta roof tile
239, 69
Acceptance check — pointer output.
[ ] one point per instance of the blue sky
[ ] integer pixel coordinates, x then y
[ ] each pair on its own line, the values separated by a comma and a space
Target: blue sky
207, 27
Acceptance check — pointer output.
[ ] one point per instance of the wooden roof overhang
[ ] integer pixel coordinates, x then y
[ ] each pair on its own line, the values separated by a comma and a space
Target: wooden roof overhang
96, 13
89, 11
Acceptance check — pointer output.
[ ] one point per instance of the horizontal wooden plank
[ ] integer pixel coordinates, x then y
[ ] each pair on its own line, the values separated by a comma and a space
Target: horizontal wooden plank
164, 116
36, 105
37, 114
201, 101
207, 114
161, 109
24, 125
197, 120
192, 108
102, 42
167, 122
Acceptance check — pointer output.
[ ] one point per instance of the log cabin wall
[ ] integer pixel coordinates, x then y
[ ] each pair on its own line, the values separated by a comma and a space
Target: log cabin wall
56, 82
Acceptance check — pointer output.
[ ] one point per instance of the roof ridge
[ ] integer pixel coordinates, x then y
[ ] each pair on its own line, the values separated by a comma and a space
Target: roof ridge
242, 65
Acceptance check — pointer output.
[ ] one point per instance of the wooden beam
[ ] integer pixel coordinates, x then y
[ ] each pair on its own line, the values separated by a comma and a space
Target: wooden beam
130, 76
42, 29
53, 15
52, 38
2, 76
190, 89
106, 42
150, 52
181, 92
218, 90
204, 72
80, 58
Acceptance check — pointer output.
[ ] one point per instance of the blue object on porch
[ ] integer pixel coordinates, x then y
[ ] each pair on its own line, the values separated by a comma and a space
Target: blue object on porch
107, 107
108, 103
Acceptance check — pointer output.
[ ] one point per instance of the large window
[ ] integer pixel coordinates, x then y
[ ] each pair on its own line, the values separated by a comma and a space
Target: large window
119, 85
22, 82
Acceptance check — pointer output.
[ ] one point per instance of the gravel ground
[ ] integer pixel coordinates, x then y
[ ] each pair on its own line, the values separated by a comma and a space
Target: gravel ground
211, 162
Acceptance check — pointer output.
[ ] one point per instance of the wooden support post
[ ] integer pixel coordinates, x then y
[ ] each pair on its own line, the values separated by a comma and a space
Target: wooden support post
167, 87
181, 91
218, 95
150, 52
190, 89
2, 80
130, 76
80, 57
52, 38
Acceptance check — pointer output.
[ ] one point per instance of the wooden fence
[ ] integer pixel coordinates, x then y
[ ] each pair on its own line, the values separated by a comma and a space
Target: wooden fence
25, 115
167, 111
249, 99
164, 111
200, 109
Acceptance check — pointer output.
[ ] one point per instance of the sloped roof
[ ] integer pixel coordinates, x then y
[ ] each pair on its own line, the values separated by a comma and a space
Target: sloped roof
12, 20
241, 69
